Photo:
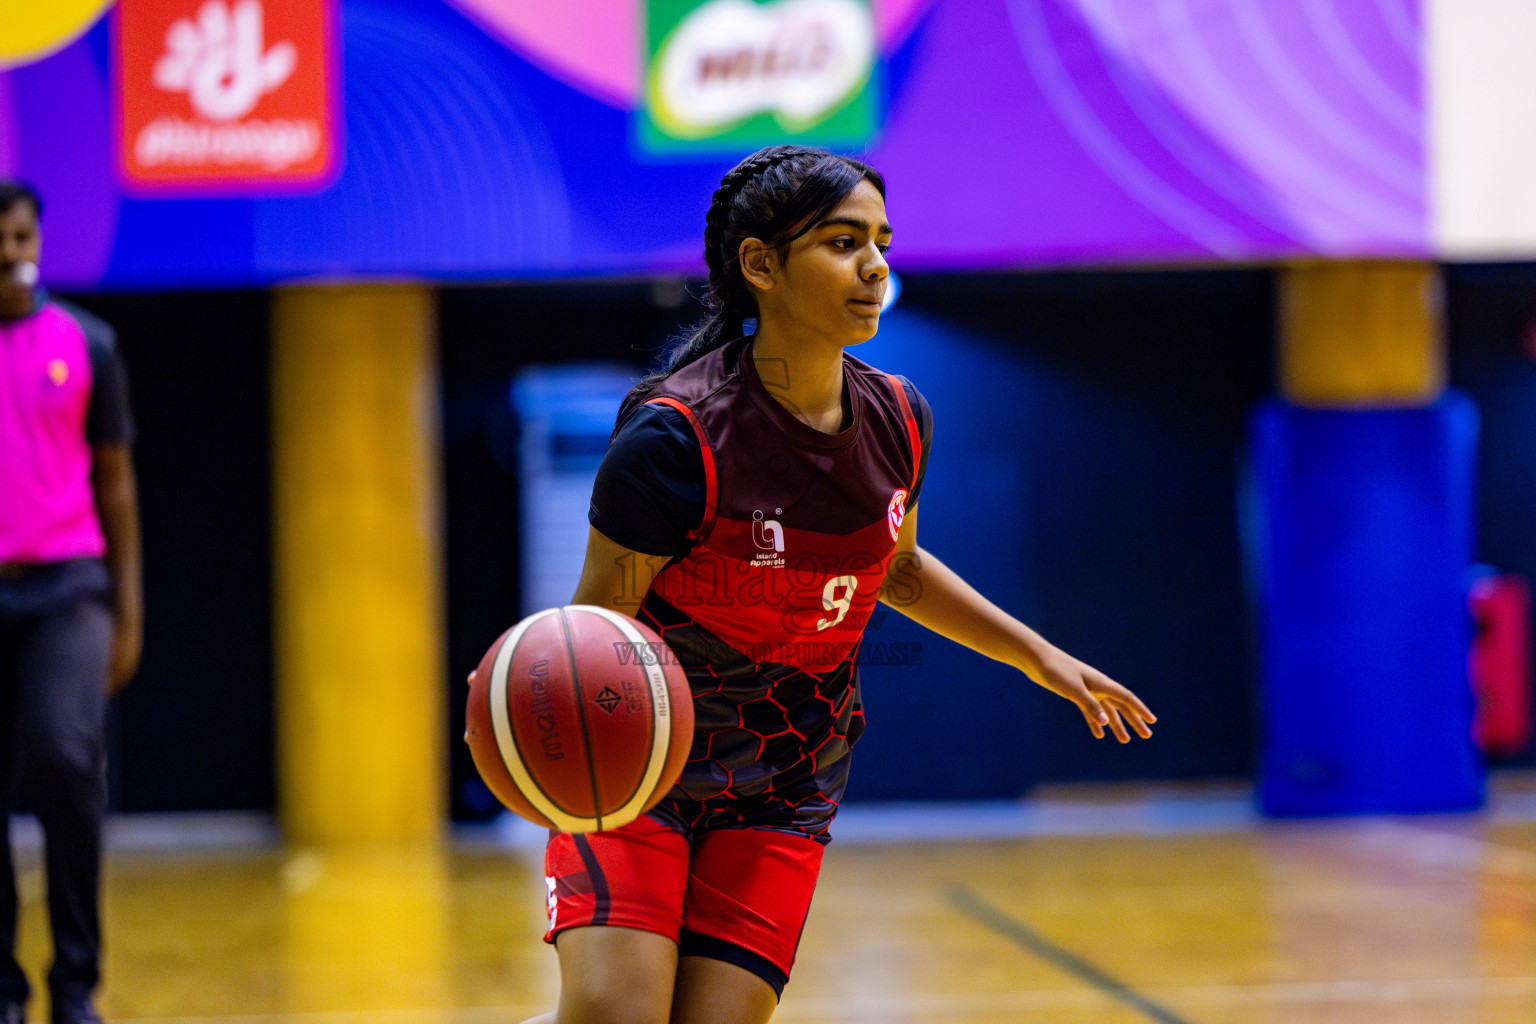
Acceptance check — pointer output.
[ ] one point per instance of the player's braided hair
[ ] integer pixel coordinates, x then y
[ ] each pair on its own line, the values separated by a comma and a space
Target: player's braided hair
776, 194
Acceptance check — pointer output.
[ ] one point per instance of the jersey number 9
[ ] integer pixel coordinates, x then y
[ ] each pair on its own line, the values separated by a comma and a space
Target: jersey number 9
832, 600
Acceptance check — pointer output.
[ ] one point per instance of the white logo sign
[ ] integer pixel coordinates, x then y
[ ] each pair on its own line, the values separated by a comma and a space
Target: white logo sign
769, 538
730, 59
767, 535
220, 60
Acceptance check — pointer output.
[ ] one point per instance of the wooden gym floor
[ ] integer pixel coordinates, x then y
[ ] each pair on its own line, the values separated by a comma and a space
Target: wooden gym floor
1079, 907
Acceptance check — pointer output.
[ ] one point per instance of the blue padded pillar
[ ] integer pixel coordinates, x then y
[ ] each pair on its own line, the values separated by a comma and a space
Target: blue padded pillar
1361, 541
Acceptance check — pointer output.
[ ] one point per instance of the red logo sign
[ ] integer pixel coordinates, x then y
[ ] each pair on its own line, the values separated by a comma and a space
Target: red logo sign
229, 94
896, 511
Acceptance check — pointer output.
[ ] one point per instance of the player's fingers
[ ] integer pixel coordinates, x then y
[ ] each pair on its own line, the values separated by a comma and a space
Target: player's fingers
1095, 714
1132, 717
1117, 725
1130, 703
1133, 705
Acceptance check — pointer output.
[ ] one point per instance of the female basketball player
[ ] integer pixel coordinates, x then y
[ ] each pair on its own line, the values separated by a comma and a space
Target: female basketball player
756, 499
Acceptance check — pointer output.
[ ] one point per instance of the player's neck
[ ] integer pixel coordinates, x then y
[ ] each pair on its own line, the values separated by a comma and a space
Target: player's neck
804, 377
17, 304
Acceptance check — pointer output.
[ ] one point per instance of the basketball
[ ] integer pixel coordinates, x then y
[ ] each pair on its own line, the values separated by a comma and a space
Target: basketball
578, 720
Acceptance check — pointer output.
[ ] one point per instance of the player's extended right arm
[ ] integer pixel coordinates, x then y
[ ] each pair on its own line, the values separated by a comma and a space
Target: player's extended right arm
615, 577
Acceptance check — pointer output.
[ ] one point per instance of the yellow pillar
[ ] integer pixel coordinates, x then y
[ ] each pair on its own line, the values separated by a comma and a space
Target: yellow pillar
357, 574
1363, 334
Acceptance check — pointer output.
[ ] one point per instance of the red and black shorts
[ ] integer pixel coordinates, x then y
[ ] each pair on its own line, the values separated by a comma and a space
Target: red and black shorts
735, 894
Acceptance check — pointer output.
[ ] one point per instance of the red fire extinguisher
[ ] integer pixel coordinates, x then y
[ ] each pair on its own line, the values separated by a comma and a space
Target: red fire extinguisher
1499, 663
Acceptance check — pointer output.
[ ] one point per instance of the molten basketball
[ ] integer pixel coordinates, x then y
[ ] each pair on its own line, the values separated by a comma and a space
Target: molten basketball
578, 720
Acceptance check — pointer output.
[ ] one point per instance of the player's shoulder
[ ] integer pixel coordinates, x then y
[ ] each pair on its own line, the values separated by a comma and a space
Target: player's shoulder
882, 378
652, 416
704, 379
653, 433
853, 364
99, 334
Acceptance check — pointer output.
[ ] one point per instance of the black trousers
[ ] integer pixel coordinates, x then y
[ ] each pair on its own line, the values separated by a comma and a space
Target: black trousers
55, 645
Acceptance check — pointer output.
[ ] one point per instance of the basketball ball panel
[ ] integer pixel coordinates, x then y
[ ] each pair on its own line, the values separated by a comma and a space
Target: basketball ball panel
480, 735
504, 702
682, 732
670, 706
626, 719
546, 722
617, 701
634, 773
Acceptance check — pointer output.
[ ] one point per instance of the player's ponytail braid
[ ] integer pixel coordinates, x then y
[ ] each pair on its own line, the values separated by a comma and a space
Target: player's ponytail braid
776, 195
729, 302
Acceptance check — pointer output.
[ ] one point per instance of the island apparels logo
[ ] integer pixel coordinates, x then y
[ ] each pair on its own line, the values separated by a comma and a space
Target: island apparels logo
768, 537
234, 94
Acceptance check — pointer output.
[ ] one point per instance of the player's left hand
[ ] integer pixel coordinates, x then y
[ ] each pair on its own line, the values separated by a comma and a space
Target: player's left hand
1102, 701
127, 645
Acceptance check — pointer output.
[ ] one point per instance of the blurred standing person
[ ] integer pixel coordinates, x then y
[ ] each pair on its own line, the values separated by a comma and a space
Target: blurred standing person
71, 598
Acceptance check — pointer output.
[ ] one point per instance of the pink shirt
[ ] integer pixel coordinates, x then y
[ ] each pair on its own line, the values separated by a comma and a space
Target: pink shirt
47, 503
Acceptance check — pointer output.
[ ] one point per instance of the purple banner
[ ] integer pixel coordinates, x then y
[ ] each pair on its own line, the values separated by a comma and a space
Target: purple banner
492, 139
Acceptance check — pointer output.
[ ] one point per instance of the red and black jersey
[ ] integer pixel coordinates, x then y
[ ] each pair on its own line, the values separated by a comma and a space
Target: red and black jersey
767, 591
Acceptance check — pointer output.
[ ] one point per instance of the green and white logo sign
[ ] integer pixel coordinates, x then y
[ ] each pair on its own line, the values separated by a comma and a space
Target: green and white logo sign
732, 74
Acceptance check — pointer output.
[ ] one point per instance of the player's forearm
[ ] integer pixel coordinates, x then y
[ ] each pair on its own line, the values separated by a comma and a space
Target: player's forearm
117, 504
929, 592
614, 577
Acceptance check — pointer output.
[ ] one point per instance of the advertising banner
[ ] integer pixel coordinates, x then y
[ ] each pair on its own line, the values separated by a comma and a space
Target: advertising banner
232, 96
191, 143
725, 75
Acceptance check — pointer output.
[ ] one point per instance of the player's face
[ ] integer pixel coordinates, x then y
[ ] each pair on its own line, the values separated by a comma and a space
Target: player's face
833, 277
21, 244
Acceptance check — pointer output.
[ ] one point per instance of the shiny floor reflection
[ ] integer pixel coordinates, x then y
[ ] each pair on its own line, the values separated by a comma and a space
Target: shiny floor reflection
1402, 920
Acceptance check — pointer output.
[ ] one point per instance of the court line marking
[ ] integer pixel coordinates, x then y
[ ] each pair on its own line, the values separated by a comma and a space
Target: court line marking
979, 910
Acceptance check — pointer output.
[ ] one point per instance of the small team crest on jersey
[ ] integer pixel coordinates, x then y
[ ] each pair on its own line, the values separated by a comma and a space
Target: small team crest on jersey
896, 511
58, 372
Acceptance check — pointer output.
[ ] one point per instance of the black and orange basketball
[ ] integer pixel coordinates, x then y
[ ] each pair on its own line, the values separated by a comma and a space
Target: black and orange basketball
578, 720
